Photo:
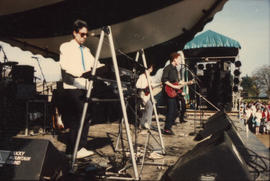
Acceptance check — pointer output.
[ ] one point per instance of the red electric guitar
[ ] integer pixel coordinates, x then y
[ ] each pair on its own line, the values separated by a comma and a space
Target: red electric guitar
171, 92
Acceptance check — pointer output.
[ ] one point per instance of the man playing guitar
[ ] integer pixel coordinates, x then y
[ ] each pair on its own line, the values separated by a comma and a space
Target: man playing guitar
144, 94
170, 79
172, 92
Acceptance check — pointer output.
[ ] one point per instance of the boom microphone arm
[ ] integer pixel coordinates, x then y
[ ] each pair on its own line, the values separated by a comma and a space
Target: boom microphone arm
5, 56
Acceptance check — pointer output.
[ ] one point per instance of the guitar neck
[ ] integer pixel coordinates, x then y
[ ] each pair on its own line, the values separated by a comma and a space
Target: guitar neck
187, 83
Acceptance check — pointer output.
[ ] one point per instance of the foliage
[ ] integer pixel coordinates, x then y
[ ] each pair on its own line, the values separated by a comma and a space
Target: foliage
249, 86
256, 99
261, 79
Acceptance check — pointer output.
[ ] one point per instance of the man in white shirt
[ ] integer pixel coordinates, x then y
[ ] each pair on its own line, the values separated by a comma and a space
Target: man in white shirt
75, 59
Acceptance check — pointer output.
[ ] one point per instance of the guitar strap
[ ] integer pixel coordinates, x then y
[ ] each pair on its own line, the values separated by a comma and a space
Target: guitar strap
146, 91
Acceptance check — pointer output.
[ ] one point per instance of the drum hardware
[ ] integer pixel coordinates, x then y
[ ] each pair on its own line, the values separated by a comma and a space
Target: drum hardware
22, 74
9, 63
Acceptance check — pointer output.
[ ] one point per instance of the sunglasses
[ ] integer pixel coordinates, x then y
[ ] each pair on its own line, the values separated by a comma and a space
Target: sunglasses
83, 34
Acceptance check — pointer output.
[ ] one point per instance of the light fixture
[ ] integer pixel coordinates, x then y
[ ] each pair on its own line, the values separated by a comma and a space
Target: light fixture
236, 80
200, 66
237, 63
235, 88
236, 72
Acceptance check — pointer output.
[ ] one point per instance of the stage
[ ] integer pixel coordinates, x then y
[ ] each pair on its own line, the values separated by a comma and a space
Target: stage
102, 140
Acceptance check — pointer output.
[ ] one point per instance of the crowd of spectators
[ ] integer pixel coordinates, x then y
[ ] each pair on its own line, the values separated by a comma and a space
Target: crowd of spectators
256, 116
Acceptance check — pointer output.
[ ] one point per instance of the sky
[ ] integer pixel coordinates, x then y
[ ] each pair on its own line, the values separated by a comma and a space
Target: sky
248, 22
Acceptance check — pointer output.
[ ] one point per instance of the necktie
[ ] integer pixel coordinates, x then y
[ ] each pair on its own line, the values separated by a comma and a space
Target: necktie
81, 48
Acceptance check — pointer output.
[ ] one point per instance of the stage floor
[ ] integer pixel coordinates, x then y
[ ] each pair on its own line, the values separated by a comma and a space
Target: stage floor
102, 140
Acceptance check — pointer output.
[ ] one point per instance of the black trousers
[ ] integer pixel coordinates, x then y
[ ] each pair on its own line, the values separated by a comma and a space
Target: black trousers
70, 104
181, 107
171, 112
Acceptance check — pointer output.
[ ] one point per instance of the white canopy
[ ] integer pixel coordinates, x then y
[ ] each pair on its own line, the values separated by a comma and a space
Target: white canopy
49, 67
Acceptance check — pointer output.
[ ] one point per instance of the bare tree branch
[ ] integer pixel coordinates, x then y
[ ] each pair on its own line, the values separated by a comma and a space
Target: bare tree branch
261, 78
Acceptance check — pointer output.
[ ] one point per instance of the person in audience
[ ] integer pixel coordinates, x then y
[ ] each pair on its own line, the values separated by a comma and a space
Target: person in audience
249, 118
257, 118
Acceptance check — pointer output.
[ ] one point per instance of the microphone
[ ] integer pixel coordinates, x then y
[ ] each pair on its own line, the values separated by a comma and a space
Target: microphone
94, 34
193, 75
186, 67
34, 57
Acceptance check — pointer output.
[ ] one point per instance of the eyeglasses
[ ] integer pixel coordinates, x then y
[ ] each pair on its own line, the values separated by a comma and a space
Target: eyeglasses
83, 34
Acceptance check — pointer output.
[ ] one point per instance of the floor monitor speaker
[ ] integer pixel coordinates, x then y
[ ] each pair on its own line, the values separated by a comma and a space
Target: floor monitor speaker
29, 159
216, 123
219, 123
216, 158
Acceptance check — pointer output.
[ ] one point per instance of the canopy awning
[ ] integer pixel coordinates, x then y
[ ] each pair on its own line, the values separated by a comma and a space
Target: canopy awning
211, 39
45, 69
212, 44
157, 26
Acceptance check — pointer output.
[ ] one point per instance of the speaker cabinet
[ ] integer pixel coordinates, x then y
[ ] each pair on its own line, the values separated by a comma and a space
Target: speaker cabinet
216, 123
25, 91
214, 159
23, 74
29, 159
219, 123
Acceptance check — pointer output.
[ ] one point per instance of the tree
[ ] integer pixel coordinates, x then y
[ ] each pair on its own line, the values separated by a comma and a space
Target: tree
249, 86
261, 79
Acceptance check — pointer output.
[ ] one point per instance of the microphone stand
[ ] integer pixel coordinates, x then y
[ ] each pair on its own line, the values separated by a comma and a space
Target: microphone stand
200, 101
195, 106
5, 60
192, 73
44, 79
5, 56
200, 96
196, 77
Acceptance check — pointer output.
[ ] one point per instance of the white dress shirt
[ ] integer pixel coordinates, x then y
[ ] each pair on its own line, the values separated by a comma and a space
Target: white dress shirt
142, 83
71, 62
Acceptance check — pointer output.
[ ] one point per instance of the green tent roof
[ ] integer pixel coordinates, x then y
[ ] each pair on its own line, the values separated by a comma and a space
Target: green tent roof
211, 39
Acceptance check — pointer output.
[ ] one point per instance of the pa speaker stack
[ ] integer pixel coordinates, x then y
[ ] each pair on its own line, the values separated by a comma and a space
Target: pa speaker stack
30, 159
223, 156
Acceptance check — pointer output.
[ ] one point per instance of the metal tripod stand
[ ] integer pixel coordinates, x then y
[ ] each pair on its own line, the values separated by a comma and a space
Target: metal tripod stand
107, 31
149, 133
152, 99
